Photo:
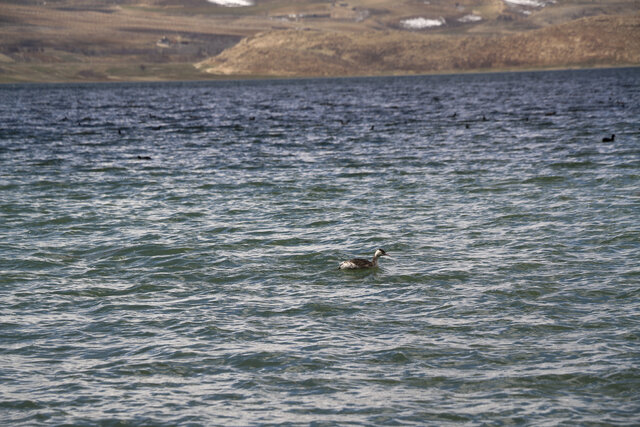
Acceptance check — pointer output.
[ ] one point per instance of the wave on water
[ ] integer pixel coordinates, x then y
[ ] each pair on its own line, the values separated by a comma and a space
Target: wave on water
175, 262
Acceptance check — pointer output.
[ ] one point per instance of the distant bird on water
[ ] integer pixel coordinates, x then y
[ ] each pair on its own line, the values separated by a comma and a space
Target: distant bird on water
607, 139
359, 263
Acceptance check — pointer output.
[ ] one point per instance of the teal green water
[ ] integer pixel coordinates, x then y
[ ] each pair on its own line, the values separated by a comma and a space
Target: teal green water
169, 252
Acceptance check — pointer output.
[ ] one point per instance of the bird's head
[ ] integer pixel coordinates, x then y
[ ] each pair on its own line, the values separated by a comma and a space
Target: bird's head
379, 253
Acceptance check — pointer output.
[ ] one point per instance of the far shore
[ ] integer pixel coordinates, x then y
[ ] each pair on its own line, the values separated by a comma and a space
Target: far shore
68, 41
158, 73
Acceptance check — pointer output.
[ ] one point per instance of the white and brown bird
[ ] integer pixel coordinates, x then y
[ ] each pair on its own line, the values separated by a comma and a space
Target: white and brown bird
359, 263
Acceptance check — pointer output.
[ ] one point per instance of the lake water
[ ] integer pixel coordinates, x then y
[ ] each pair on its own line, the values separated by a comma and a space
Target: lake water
169, 252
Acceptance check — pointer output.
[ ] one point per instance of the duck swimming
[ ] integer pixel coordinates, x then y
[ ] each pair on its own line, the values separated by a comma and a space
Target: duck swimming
359, 263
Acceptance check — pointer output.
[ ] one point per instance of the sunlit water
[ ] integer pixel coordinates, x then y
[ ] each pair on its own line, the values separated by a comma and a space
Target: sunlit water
169, 252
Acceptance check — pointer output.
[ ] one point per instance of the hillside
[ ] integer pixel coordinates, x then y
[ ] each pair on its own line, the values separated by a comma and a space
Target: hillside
129, 40
610, 40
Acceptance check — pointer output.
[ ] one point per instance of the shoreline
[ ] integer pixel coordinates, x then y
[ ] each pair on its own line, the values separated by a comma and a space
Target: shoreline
205, 77
76, 44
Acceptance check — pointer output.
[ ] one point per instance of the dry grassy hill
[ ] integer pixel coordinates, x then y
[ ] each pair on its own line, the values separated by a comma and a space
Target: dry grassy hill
112, 40
586, 42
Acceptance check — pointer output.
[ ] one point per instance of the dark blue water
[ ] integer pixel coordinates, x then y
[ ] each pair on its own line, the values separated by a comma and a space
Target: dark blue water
169, 252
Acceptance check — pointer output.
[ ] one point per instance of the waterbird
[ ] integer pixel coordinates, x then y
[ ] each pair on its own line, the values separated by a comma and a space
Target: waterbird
607, 139
144, 157
359, 263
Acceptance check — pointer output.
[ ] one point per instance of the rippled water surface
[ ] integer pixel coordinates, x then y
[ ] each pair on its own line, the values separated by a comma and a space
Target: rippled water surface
169, 252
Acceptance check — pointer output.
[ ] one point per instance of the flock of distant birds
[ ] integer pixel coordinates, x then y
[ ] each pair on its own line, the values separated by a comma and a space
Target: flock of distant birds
364, 264
345, 122
359, 263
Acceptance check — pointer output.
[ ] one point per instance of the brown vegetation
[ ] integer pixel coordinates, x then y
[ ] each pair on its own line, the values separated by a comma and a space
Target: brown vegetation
88, 40
595, 41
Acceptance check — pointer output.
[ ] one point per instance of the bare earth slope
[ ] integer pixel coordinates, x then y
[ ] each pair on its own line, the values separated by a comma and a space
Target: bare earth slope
146, 40
593, 41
